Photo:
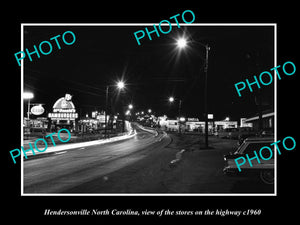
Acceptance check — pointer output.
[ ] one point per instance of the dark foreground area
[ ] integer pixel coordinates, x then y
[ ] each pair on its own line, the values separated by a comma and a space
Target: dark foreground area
141, 165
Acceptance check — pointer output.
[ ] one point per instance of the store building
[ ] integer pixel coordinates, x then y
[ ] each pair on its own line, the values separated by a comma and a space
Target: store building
36, 119
194, 125
224, 124
35, 123
243, 123
63, 114
97, 122
267, 120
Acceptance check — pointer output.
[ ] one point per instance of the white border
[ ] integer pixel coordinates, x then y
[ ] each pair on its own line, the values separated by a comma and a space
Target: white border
275, 105
151, 24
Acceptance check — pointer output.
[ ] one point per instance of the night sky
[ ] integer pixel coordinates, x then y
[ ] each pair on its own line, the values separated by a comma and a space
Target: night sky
152, 71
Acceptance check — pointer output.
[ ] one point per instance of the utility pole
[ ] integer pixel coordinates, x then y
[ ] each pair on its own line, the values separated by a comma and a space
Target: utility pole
106, 109
179, 116
182, 43
206, 96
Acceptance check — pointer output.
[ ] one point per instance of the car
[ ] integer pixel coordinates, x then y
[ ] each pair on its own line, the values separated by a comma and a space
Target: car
231, 133
264, 169
246, 132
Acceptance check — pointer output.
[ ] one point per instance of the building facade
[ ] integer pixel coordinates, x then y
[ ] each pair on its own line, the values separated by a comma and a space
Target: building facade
63, 114
194, 125
267, 121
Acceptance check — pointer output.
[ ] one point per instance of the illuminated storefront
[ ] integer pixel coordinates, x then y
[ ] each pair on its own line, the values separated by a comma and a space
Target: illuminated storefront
194, 125
64, 114
267, 120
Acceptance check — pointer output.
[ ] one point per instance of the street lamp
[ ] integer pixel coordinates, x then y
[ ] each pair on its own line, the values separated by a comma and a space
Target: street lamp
130, 106
182, 43
171, 100
28, 95
120, 85
182, 119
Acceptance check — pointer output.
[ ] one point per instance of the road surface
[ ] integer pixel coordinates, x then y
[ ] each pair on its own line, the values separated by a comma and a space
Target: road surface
63, 170
140, 165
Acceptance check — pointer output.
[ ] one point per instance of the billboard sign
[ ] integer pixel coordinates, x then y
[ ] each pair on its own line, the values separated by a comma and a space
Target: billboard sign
37, 110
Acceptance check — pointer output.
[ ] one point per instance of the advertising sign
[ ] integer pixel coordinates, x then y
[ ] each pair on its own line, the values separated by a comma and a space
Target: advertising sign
37, 110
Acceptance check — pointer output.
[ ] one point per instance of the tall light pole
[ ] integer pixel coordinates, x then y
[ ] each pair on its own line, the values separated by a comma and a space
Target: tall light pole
182, 43
207, 48
106, 109
120, 85
28, 95
128, 112
171, 100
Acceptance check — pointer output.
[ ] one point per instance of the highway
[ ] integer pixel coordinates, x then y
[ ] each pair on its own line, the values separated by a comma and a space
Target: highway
63, 170
139, 165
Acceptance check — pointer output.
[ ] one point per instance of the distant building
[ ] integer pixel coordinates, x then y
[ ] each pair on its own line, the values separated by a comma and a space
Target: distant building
162, 121
243, 123
221, 125
63, 114
88, 124
194, 125
172, 125
267, 120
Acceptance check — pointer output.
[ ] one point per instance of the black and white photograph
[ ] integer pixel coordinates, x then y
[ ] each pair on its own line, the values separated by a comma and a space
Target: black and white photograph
149, 113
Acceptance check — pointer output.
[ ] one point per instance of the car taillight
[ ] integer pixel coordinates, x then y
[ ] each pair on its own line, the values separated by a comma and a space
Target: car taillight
225, 161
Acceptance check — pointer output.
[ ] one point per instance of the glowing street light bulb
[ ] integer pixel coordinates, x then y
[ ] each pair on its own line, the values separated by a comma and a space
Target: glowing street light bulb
27, 95
130, 106
171, 99
181, 43
120, 85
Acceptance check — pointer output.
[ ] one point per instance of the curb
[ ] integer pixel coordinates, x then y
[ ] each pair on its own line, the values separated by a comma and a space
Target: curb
70, 146
147, 129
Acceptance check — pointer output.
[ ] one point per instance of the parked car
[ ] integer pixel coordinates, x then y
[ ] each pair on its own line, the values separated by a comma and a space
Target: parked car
231, 133
245, 132
264, 169
267, 132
